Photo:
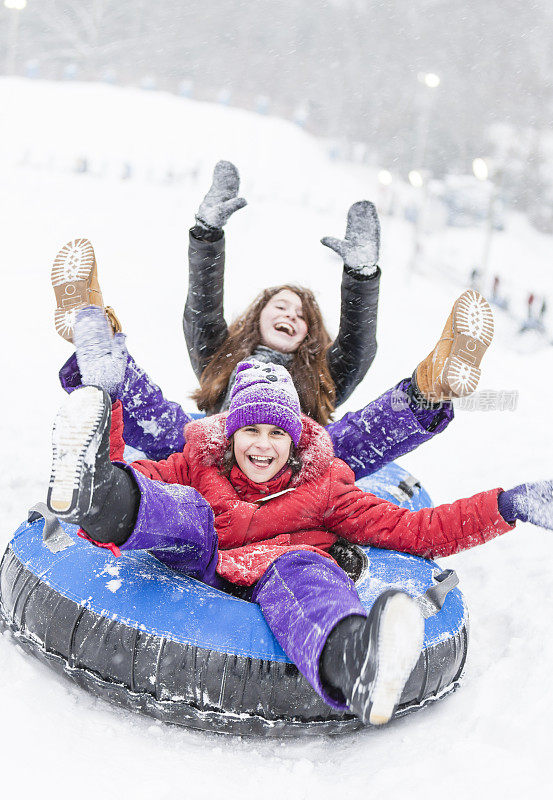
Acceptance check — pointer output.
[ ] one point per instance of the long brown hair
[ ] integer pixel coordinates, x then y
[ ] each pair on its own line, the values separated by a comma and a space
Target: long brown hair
309, 368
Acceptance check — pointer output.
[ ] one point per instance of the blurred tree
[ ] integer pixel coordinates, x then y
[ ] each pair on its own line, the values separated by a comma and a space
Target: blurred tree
352, 64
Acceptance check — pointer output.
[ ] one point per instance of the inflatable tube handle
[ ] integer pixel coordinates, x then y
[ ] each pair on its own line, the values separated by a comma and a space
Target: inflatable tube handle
408, 486
53, 535
405, 489
432, 600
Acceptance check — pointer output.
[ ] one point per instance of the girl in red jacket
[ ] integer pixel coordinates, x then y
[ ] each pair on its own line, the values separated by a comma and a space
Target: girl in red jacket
257, 498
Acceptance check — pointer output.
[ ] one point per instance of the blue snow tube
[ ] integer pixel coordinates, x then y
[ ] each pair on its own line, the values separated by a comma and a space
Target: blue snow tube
138, 634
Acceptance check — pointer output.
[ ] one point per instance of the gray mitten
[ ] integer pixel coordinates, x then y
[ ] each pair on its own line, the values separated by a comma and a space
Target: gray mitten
101, 356
221, 201
360, 248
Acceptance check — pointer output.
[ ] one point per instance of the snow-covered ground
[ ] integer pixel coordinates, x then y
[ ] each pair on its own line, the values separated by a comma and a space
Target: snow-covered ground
493, 735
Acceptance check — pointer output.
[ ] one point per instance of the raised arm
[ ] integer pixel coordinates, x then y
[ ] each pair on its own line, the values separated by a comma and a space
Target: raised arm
203, 321
353, 351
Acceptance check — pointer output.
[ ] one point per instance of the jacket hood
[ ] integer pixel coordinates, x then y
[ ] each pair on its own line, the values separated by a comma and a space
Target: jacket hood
207, 446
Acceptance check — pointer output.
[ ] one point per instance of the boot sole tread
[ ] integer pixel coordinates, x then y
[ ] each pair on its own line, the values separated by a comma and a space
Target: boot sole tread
75, 430
473, 328
71, 277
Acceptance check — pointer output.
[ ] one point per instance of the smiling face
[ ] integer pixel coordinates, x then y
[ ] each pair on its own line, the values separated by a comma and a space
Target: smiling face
281, 322
261, 451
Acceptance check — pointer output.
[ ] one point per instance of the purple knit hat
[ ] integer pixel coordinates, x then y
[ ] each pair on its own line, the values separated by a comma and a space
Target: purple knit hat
264, 394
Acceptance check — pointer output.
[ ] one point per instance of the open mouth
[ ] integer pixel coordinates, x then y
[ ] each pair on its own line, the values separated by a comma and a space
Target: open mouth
284, 327
261, 461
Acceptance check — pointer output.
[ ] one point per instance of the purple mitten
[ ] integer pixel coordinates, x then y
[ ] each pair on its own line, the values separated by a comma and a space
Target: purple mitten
102, 357
529, 502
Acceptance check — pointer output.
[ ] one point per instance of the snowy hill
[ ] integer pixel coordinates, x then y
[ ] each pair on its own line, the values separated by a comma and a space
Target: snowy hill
493, 735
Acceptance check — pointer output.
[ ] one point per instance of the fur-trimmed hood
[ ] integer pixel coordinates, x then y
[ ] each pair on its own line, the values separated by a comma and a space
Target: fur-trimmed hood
208, 444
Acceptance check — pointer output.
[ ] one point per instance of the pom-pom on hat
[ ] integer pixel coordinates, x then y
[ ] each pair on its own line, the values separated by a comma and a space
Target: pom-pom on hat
264, 394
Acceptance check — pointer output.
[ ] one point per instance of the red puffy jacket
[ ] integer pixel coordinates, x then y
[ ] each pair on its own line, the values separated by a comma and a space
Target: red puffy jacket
322, 503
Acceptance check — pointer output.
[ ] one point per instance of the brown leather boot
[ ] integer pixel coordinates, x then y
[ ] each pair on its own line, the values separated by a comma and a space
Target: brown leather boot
452, 369
75, 281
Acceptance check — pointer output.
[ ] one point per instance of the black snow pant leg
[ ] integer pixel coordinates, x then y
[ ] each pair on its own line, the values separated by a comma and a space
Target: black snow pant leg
114, 508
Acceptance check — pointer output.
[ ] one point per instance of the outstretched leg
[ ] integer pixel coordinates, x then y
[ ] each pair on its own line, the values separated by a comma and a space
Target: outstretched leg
419, 407
353, 661
154, 425
115, 504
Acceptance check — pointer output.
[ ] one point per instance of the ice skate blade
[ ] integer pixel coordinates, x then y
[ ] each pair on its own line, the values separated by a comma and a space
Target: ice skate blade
400, 640
473, 330
71, 277
74, 440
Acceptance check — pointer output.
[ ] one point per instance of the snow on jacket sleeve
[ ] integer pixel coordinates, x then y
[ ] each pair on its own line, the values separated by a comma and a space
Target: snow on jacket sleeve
174, 469
203, 321
363, 518
171, 470
352, 352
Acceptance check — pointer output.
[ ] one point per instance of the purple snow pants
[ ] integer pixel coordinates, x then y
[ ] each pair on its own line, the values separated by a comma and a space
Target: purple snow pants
302, 595
366, 440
